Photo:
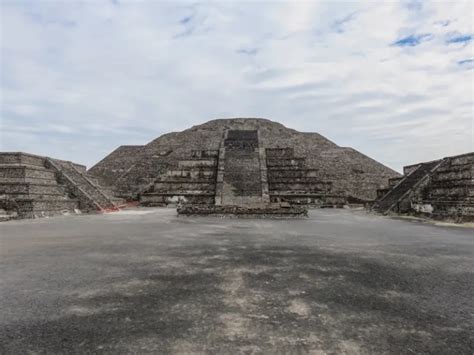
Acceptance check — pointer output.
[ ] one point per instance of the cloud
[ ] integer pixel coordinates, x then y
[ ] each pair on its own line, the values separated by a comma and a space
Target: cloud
79, 79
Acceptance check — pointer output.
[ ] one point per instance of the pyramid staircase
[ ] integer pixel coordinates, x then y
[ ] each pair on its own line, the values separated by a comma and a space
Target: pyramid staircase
242, 167
241, 185
402, 189
92, 195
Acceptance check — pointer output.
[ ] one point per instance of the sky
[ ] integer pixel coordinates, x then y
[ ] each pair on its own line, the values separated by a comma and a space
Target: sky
391, 79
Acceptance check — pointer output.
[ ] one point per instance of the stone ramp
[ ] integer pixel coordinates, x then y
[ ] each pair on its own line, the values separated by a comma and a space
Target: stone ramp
244, 170
405, 185
242, 185
91, 195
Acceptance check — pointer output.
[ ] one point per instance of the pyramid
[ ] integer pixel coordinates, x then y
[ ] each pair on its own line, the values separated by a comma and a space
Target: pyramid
242, 162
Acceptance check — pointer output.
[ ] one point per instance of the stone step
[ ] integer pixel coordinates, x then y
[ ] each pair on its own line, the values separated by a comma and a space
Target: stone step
301, 181
36, 196
279, 153
27, 205
29, 188
449, 176
455, 168
292, 162
195, 163
391, 198
449, 191
186, 180
82, 185
242, 170
303, 193
184, 186
48, 213
461, 184
181, 193
21, 159
312, 200
204, 154
185, 175
19, 172
319, 186
293, 173
163, 199
28, 180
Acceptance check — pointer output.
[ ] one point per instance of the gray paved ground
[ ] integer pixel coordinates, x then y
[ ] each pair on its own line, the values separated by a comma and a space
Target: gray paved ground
147, 281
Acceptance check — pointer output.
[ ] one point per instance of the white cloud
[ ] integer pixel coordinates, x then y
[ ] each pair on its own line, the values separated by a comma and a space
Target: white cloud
80, 78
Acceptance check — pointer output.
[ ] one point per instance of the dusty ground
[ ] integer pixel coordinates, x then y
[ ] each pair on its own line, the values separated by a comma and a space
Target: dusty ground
147, 281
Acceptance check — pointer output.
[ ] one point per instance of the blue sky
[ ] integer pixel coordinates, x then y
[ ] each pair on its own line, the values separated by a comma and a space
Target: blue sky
391, 79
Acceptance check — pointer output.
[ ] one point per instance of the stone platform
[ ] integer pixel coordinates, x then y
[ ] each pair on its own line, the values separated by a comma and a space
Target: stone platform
267, 211
33, 186
441, 189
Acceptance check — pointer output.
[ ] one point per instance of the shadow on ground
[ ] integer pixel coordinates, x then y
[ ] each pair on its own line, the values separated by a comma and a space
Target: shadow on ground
244, 297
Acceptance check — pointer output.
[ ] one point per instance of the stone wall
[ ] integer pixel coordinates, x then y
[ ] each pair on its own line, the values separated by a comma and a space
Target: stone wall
289, 180
192, 180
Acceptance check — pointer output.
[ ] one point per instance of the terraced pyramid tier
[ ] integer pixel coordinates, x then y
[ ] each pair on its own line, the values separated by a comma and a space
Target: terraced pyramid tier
227, 161
34, 186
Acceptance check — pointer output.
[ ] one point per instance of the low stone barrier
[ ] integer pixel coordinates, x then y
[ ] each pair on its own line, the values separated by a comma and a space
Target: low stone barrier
270, 211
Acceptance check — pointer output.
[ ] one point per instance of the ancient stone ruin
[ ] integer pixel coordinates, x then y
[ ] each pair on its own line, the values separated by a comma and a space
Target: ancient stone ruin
242, 166
440, 189
33, 186
239, 167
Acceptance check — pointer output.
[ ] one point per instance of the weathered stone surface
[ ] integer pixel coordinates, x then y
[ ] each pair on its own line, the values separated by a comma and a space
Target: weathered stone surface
116, 163
301, 168
242, 179
442, 189
254, 211
34, 186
